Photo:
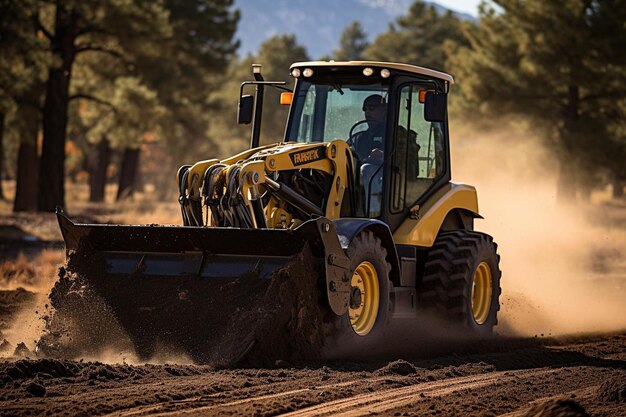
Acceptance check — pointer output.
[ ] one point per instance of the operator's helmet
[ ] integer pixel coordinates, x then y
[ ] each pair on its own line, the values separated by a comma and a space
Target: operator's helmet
374, 101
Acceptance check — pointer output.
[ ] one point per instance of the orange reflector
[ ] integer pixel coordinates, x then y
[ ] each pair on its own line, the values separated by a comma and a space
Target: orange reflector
422, 95
285, 98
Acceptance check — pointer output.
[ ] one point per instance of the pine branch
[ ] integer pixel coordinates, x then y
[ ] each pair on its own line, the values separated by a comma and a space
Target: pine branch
41, 27
92, 29
83, 96
614, 94
90, 47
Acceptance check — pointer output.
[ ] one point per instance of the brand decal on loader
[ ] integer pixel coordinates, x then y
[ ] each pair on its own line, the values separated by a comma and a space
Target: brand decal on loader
310, 155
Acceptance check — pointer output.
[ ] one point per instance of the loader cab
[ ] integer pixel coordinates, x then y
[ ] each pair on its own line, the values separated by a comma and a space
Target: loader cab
394, 118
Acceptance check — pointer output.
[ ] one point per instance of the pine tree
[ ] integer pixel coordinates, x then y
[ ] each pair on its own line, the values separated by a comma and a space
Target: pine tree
276, 55
79, 27
418, 38
561, 65
187, 70
22, 58
352, 43
169, 46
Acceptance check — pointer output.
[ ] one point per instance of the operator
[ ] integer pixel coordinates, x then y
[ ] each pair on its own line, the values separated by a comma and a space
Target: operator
369, 143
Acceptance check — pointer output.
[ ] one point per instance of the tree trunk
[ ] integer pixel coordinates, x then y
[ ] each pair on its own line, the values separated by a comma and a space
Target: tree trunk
27, 162
1, 154
128, 173
618, 188
98, 172
52, 167
26, 184
567, 181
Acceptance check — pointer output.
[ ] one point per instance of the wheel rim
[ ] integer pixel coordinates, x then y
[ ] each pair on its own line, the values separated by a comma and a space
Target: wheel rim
481, 293
363, 317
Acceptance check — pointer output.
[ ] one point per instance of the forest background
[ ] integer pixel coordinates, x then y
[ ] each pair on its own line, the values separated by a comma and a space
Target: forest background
122, 92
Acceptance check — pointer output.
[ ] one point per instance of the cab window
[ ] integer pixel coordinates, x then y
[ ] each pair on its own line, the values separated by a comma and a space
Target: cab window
331, 107
418, 154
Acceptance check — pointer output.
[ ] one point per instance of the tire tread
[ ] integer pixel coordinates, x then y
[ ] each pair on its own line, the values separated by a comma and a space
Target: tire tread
448, 273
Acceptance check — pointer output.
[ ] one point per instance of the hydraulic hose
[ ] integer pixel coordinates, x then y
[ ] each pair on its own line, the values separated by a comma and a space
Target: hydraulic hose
293, 198
259, 214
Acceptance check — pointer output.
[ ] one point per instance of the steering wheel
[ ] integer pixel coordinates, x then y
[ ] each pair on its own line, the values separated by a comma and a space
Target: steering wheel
350, 135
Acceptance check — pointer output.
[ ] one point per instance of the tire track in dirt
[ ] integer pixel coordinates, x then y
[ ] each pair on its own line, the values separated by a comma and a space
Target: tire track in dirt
158, 409
352, 406
387, 400
154, 409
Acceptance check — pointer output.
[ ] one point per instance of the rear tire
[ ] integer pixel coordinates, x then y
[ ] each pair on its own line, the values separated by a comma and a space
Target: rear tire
370, 283
461, 281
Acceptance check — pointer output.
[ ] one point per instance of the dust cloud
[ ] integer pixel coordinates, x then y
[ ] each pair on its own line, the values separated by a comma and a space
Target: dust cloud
563, 266
27, 326
25, 284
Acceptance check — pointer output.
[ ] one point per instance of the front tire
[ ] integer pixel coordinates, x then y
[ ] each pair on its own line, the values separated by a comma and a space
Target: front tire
461, 281
369, 297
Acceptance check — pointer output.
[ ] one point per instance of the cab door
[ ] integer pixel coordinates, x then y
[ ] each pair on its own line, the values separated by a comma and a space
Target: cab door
418, 163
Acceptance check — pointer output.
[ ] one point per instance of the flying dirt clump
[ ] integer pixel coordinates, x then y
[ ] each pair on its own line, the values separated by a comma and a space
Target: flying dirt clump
217, 321
79, 323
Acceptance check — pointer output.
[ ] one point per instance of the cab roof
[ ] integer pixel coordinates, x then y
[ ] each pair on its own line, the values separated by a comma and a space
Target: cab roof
375, 64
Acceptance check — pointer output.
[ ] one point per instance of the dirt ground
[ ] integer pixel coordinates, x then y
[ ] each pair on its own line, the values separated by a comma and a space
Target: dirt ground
555, 377
571, 373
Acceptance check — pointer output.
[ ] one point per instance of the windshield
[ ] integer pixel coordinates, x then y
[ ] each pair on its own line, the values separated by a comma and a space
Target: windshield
329, 108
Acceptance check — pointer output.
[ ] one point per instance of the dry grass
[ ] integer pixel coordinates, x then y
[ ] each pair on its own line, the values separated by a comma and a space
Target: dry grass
143, 208
18, 272
36, 275
142, 212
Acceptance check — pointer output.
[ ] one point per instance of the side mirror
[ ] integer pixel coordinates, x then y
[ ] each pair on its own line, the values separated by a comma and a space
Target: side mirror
244, 111
435, 107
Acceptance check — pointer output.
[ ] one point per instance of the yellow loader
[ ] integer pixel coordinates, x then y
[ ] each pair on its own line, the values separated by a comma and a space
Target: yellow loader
348, 223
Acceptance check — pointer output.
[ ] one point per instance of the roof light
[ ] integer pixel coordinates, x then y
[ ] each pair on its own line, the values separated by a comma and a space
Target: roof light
256, 68
295, 72
385, 73
368, 71
308, 72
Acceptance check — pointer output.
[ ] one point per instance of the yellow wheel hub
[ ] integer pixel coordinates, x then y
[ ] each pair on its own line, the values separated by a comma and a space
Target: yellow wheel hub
481, 293
364, 283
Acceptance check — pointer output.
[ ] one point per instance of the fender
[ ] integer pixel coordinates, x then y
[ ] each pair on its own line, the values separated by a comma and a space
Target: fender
423, 225
349, 228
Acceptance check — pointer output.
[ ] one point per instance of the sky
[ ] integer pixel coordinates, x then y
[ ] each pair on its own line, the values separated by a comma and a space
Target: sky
467, 6
321, 35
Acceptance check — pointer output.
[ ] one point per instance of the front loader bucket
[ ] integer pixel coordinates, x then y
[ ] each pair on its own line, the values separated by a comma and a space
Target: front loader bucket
183, 251
217, 294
